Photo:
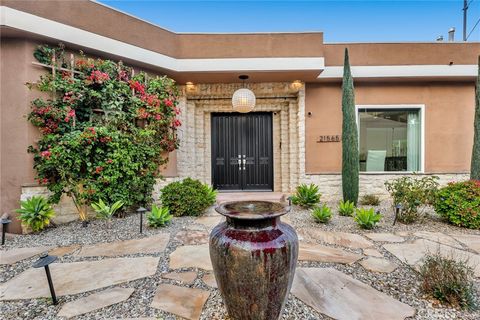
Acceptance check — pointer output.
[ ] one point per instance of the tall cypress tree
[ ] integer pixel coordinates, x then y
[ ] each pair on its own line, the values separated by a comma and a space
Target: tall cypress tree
350, 159
475, 169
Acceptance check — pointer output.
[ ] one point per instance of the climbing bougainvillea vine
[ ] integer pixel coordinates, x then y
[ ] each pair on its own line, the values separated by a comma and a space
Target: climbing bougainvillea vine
105, 131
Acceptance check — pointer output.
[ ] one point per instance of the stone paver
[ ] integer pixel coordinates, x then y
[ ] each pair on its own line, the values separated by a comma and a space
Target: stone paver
77, 277
189, 237
185, 277
153, 244
372, 252
413, 253
438, 237
384, 237
286, 219
349, 240
95, 301
341, 297
471, 241
317, 252
14, 255
210, 221
209, 280
61, 251
191, 257
378, 265
184, 302
142, 318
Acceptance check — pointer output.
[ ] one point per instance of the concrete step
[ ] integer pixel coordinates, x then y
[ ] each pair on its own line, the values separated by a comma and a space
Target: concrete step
246, 196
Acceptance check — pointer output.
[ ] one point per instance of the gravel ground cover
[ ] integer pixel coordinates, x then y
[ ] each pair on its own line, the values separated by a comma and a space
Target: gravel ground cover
402, 284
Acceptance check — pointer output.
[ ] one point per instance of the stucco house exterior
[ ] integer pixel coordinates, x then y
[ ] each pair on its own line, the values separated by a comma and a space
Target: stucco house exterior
415, 101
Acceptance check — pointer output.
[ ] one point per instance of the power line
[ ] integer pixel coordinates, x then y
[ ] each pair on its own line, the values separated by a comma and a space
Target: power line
476, 24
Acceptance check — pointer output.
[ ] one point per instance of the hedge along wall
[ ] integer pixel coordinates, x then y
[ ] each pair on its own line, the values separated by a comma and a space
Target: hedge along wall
105, 130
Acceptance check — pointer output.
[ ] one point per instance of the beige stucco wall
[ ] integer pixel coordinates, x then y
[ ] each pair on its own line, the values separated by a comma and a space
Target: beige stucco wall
449, 110
99, 19
378, 54
16, 133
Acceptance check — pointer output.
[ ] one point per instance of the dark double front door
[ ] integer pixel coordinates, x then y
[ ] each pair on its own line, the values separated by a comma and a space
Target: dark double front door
242, 151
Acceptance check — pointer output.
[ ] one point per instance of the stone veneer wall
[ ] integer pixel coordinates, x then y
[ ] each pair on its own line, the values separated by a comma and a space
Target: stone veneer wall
285, 100
65, 210
331, 184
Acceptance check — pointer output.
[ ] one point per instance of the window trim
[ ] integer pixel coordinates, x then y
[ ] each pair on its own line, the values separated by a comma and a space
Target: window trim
420, 107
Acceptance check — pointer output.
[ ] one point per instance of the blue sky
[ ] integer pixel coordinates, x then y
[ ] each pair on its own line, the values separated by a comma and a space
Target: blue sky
341, 21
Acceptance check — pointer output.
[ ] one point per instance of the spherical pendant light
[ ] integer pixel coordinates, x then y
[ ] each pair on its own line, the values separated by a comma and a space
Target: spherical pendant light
243, 100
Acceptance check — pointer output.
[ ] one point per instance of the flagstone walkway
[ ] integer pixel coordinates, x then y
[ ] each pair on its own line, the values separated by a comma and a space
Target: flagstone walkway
103, 274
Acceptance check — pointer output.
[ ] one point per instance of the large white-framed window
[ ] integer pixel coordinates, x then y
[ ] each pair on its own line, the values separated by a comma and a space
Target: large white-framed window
391, 137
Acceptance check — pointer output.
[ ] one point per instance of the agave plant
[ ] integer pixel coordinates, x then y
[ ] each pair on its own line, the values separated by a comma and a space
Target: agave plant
159, 216
306, 196
211, 194
36, 213
104, 211
322, 214
367, 218
346, 208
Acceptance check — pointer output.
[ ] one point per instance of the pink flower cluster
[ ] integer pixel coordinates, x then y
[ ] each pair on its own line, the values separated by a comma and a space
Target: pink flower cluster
98, 76
70, 115
46, 154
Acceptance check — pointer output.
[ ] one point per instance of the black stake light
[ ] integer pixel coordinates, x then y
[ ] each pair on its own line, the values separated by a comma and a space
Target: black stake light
398, 209
5, 222
141, 211
44, 261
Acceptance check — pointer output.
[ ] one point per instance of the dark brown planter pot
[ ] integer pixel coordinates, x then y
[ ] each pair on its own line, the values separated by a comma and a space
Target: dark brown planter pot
254, 256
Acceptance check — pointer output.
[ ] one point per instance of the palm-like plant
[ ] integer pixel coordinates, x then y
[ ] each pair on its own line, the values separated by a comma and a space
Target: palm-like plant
367, 218
211, 194
159, 216
322, 214
36, 213
346, 208
306, 196
104, 211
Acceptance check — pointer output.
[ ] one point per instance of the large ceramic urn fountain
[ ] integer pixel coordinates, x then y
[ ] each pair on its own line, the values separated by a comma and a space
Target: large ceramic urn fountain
254, 256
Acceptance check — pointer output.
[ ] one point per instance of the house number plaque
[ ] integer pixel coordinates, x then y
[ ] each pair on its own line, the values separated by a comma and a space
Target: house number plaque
329, 138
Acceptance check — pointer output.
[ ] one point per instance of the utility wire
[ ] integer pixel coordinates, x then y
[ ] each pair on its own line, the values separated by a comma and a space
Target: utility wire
476, 24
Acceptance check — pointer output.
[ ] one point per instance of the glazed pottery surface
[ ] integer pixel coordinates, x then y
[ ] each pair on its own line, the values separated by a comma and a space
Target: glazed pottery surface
254, 256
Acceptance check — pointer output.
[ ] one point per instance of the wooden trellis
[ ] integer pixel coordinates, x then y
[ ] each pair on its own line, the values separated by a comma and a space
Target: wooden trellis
55, 67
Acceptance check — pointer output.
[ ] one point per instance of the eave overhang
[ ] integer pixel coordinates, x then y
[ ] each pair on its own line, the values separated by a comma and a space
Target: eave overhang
181, 69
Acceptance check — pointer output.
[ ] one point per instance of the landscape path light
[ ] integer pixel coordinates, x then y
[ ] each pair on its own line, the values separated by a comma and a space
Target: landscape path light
398, 210
141, 211
5, 223
44, 261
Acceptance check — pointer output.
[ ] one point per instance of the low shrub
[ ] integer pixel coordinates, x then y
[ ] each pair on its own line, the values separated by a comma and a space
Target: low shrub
306, 196
322, 214
188, 197
367, 218
370, 200
104, 211
158, 217
412, 193
459, 203
346, 208
35, 213
448, 280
